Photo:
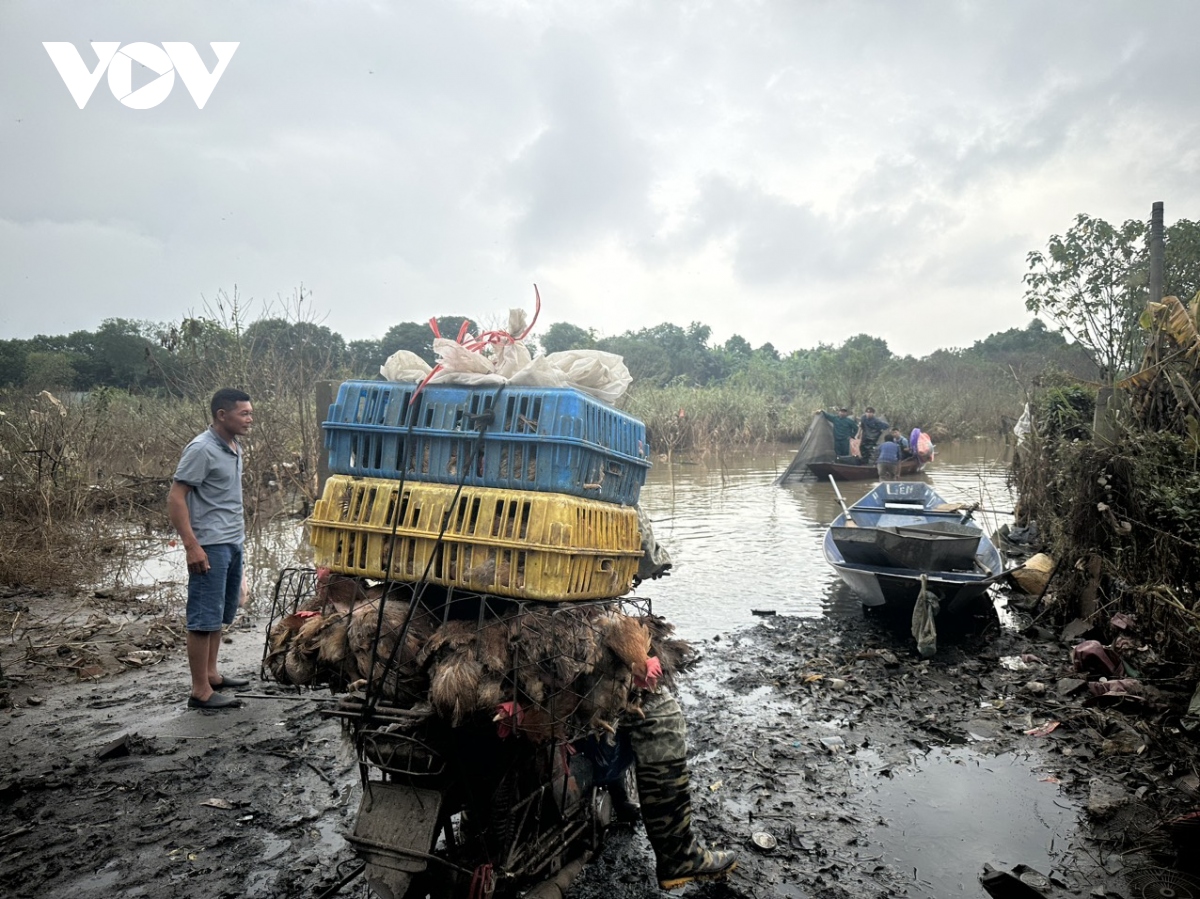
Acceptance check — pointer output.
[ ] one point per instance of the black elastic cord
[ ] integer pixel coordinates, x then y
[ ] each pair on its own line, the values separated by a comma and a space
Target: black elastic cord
485, 419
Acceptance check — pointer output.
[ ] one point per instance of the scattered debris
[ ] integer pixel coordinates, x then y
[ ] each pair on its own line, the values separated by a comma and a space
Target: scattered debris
763, 841
119, 747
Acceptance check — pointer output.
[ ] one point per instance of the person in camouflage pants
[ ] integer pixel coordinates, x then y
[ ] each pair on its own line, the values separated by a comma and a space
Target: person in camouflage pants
659, 743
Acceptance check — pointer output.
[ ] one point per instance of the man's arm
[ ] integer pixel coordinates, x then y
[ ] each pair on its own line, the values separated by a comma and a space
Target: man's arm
177, 511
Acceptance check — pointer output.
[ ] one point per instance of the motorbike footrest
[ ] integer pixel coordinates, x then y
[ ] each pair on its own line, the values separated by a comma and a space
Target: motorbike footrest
395, 825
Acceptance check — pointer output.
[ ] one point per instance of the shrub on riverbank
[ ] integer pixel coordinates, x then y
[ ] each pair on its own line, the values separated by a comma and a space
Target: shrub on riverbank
1117, 501
78, 469
1122, 522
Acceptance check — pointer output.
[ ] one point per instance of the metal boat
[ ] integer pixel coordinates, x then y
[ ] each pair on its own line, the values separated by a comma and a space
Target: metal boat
883, 544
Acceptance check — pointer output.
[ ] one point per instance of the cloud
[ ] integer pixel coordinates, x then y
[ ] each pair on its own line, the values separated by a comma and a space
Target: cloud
768, 168
585, 173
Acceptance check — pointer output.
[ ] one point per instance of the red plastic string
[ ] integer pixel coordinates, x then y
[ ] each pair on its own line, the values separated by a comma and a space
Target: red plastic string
484, 340
482, 882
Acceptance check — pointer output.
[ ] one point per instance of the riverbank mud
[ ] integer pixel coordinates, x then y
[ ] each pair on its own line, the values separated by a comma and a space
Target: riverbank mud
835, 760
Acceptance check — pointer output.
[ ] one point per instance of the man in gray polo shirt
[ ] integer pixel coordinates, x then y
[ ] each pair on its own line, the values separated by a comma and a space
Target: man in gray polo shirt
205, 507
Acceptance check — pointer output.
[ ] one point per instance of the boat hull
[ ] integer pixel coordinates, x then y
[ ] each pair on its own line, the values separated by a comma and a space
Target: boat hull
842, 472
858, 549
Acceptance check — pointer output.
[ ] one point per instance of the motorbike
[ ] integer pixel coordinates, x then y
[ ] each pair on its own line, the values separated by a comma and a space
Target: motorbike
460, 812
504, 801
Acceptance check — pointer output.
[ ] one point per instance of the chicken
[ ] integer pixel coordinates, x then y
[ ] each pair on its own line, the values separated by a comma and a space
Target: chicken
533, 722
577, 644
606, 694
676, 655
469, 662
300, 661
339, 591
629, 640
319, 649
279, 640
492, 646
454, 686
488, 573
447, 639
378, 655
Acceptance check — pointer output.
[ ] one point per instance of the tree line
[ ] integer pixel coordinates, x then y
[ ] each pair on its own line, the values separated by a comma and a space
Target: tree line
147, 357
1089, 284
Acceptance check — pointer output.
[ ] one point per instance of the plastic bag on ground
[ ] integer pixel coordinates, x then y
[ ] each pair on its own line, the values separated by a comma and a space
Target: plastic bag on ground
1094, 657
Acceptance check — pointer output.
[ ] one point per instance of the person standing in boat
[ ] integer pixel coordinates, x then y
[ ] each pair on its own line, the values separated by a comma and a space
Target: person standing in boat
844, 430
902, 442
888, 461
873, 427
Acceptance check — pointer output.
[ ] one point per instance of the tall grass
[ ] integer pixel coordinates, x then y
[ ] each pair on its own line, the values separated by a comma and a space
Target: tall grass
707, 418
680, 417
76, 470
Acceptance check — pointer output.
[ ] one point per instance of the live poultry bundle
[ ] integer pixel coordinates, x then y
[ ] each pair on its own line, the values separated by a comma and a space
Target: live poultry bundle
539, 670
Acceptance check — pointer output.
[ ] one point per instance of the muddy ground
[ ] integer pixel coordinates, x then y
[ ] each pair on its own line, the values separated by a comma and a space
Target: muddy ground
874, 772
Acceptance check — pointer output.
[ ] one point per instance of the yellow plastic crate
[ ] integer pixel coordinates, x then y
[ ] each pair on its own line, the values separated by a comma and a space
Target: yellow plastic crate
518, 543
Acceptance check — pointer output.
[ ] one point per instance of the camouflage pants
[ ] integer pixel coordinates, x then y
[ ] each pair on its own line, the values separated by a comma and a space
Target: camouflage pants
661, 736
659, 744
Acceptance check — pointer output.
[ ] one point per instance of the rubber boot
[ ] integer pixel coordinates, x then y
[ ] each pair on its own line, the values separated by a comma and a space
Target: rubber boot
667, 811
625, 807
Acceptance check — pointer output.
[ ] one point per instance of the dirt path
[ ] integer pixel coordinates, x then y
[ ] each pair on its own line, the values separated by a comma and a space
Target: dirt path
876, 774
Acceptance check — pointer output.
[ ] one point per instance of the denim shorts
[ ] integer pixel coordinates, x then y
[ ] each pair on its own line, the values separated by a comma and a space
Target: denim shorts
213, 597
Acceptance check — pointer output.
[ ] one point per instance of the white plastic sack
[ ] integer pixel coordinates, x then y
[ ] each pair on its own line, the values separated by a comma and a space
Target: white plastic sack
460, 365
454, 357
596, 373
511, 358
405, 366
540, 372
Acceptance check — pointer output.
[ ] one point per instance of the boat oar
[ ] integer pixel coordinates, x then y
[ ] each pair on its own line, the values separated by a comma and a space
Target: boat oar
850, 522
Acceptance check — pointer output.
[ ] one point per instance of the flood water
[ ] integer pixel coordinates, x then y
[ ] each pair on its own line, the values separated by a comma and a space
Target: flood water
738, 542
741, 544
957, 807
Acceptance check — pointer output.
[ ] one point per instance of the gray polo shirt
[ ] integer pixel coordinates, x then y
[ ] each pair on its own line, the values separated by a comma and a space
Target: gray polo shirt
214, 472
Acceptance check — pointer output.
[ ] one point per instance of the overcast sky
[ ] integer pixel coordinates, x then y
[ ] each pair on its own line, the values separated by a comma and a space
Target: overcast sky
794, 172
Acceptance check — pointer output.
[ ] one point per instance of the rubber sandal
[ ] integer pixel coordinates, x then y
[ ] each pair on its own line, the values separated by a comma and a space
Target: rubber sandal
231, 682
216, 701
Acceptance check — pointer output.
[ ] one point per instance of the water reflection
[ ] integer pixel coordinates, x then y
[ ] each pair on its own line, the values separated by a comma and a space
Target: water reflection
925, 812
741, 544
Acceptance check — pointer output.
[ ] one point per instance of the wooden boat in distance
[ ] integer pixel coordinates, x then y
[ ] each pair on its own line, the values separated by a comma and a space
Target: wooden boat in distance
845, 471
896, 533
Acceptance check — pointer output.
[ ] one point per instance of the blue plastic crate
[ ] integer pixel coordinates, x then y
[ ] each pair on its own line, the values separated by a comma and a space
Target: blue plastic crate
551, 439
